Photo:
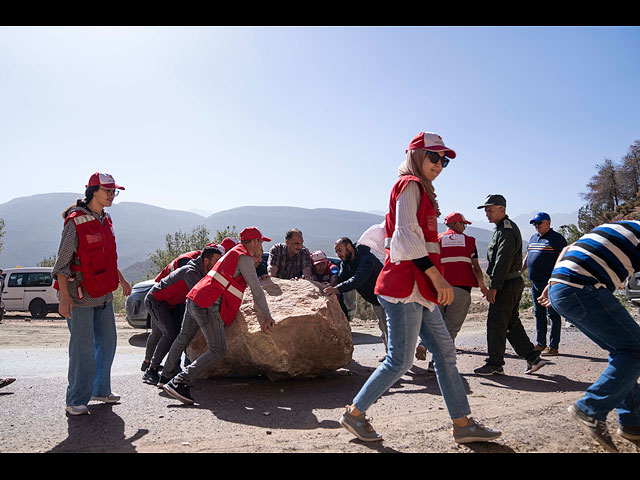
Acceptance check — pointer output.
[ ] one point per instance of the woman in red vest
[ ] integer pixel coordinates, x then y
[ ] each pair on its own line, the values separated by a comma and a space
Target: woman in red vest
410, 287
87, 273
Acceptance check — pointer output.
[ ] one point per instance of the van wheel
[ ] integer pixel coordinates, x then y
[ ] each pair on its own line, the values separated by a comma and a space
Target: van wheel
38, 308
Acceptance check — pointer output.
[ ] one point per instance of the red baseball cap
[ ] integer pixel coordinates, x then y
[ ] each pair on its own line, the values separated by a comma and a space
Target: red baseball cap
430, 141
250, 233
104, 180
455, 217
228, 243
318, 256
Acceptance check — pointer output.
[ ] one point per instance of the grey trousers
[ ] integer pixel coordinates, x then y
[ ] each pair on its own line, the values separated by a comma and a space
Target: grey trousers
210, 322
382, 322
455, 313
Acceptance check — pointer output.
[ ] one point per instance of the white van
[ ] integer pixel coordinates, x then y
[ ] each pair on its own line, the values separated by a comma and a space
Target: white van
29, 289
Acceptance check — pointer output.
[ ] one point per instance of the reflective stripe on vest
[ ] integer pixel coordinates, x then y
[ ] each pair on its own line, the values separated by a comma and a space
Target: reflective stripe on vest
225, 284
455, 259
79, 220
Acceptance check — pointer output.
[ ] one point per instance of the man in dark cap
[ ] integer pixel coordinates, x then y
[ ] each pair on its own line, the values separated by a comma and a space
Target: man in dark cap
542, 252
504, 292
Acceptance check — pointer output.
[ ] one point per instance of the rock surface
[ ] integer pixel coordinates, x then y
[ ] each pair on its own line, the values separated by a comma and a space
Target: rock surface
312, 335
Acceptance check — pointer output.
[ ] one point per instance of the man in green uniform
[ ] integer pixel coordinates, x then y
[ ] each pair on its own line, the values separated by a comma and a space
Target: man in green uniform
505, 291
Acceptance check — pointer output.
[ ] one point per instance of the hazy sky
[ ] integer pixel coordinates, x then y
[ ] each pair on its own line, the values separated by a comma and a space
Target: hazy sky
214, 118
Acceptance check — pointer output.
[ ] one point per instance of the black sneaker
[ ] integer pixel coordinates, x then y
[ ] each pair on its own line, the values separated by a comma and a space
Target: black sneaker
151, 376
596, 428
487, 369
163, 381
179, 391
145, 365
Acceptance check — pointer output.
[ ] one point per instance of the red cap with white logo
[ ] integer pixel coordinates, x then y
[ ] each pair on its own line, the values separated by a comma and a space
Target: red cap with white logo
432, 142
104, 180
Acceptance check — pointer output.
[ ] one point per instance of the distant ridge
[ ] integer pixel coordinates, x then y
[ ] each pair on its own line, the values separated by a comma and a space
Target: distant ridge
33, 225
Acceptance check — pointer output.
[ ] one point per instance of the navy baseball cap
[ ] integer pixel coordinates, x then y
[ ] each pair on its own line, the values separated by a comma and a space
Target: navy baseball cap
540, 216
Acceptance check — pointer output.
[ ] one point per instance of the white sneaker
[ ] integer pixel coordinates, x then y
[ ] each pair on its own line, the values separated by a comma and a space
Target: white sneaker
111, 398
77, 409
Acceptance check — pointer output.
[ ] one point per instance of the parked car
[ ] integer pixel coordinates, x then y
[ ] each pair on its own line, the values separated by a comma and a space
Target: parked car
632, 289
136, 311
29, 289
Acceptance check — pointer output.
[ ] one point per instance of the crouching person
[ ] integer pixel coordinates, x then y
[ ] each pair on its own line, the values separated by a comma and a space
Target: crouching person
166, 298
214, 302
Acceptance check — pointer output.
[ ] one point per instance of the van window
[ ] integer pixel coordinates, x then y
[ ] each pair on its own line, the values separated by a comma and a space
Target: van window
33, 279
17, 279
39, 279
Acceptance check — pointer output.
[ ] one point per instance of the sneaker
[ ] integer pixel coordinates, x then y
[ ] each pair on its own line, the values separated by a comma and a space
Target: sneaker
162, 381
474, 432
359, 426
487, 369
550, 352
631, 434
151, 376
596, 428
179, 391
431, 368
535, 365
145, 365
421, 352
77, 409
111, 398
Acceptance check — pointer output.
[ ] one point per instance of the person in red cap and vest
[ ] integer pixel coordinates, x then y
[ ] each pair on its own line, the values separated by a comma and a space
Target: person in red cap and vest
165, 303
461, 268
410, 287
86, 273
213, 303
156, 333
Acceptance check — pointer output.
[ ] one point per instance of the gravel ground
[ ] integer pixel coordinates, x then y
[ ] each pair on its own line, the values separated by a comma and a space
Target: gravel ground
256, 415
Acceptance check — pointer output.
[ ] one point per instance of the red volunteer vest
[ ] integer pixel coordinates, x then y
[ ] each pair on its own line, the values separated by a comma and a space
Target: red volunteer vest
96, 253
219, 281
397, 279
455, 254
326, 276
174, 264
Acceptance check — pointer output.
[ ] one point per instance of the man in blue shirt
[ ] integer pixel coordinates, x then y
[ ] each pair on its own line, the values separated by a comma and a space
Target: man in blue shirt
542, 253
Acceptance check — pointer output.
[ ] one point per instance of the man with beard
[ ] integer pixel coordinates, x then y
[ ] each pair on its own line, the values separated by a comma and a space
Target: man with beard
359, 271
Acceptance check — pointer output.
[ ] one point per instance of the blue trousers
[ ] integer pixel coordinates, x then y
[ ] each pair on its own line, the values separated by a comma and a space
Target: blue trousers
92, 348
405, 322
601, 317
541, 313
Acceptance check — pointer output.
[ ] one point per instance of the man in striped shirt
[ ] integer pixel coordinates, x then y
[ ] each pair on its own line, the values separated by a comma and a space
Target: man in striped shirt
542, 253
581, 289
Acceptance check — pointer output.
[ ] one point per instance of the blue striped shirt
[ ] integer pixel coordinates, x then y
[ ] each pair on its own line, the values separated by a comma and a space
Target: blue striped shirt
605, 256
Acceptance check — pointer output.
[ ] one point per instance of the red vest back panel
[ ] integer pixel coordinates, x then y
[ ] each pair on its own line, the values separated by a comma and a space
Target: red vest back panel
455, 254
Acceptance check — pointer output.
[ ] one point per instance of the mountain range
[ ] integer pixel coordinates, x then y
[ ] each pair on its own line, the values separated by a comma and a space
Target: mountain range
33, 225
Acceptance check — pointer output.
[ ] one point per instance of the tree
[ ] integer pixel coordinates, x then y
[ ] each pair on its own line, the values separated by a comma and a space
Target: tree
604, 188
180, 242
571, 233
48, 262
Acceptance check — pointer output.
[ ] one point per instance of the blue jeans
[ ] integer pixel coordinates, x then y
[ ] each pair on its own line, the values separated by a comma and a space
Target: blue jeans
601, 317
405, 322
541, 313
92, 347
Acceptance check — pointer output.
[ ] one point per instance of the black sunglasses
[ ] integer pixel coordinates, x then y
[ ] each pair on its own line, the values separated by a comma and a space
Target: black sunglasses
434, 157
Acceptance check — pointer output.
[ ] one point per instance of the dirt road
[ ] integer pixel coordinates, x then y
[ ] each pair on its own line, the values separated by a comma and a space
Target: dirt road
255, 415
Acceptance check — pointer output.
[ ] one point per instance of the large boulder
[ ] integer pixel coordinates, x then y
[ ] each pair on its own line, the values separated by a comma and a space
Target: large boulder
312, 335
